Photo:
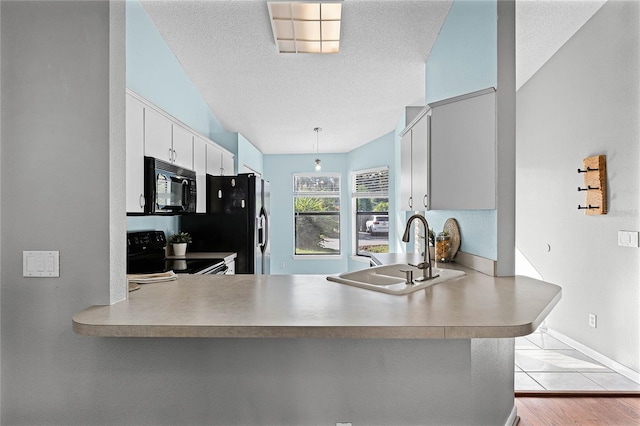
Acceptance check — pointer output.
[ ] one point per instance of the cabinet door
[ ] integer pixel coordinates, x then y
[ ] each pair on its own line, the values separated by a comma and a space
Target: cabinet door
406, 200
135, 155
182, 147
214, 160
463, 149
157, 136
420, 164
227, 164
200, 167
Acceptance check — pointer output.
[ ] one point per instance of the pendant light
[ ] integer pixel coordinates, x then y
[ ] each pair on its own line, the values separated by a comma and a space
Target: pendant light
317, 130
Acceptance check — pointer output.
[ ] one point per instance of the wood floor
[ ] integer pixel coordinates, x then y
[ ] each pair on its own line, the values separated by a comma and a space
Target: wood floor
582, 410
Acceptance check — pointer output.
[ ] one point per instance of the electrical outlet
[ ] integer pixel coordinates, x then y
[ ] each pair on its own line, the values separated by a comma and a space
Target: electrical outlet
282, 265
40, 263
593, 320
628, 238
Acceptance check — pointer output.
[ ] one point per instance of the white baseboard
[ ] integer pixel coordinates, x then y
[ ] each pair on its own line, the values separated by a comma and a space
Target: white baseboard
606, 361
513, 419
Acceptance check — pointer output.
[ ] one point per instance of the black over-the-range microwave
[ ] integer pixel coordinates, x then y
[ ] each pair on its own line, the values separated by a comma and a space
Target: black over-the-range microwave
168, 188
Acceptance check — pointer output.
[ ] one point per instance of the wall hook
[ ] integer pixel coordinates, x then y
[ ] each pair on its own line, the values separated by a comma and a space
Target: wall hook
594, 176
588, 188
589, 169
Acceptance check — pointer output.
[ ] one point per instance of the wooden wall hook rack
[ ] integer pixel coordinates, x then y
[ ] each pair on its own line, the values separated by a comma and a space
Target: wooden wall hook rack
595, 180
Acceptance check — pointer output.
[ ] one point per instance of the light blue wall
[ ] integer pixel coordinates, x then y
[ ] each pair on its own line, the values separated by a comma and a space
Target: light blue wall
464, 57
279, 170
246, 154
154, 73
463, 60
168, 224
377, 153
249, 155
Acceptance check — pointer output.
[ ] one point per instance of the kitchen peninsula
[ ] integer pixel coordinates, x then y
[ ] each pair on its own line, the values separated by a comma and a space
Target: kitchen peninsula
443, 355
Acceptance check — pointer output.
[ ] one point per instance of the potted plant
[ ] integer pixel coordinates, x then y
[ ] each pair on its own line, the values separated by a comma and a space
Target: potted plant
179, 243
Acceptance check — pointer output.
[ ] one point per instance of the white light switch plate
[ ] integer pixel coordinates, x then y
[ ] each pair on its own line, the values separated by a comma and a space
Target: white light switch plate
628, 238
40, 263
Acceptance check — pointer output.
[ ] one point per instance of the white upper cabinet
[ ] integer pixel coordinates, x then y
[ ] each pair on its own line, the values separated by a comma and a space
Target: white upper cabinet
153, 133
182, 147
463, 152
414, 161
200, 167
448, 154
166, 140
157, 136
135, 155
219, 161
228, 164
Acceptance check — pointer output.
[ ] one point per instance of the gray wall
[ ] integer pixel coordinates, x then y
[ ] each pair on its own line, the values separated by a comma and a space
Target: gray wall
61, 120
585, 101
55, 196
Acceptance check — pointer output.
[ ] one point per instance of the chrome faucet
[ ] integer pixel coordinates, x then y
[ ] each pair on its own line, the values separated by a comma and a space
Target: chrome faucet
425, 265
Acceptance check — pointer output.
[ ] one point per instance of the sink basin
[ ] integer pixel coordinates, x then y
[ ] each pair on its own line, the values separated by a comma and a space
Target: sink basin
391, 278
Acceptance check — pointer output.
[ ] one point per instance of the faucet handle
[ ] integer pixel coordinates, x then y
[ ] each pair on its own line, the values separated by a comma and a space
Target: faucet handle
421, 265
408, 275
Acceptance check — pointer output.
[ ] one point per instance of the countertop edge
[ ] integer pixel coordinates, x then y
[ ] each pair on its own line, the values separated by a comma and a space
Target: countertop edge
315, 332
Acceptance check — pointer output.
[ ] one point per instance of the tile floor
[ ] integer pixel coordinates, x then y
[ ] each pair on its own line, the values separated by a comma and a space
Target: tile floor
545, 363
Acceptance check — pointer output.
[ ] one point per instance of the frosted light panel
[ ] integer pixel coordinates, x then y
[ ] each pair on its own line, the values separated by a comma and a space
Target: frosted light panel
307, 30
306, 27
306, 11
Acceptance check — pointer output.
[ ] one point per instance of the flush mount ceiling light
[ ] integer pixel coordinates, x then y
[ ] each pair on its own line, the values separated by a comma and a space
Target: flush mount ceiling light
306, 27
317, 130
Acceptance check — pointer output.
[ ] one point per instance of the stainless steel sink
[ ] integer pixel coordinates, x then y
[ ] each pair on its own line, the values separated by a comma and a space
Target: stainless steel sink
391, 279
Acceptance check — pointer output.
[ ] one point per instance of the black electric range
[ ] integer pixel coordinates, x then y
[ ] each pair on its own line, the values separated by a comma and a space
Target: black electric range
146, 255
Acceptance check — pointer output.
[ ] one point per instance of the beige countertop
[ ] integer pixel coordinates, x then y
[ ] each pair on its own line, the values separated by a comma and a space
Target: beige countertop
308, 306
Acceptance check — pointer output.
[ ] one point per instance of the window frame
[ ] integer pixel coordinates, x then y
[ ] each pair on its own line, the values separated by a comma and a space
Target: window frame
321, 194
355, 195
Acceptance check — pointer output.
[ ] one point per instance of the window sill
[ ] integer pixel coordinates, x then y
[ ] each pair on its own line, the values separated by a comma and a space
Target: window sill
361, 259
317, 256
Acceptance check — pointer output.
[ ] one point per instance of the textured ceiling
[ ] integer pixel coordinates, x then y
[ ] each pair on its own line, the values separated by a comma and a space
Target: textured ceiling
543, 26
275, 100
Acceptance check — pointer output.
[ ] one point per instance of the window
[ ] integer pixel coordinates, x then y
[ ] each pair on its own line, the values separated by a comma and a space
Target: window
371, 199
316, 200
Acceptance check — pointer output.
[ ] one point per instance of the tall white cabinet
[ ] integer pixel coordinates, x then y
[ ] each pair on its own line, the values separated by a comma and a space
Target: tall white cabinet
448, 154
414, 161
152, 132
135, 155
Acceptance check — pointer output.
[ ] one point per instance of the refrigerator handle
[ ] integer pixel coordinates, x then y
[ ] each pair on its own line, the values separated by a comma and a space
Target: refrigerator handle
263, 231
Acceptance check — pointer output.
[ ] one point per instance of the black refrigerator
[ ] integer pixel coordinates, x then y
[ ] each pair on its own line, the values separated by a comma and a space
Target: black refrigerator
237, 220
